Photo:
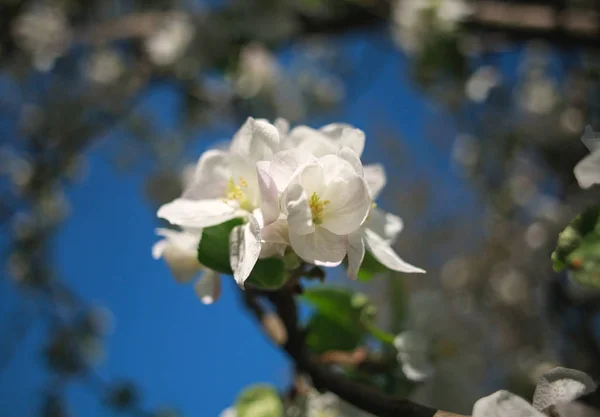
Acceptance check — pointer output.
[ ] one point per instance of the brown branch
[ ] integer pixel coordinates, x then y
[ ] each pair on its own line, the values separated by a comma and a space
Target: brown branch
323, 379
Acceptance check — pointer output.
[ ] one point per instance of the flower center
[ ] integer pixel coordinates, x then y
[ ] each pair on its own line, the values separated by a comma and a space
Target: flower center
237, 192
317, 206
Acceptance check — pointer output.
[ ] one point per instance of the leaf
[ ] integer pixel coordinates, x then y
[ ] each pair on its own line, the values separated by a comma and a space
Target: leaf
370, 267
325, 334
338, 322
213, 250
578, 248
335, 303
268, 274
259, 401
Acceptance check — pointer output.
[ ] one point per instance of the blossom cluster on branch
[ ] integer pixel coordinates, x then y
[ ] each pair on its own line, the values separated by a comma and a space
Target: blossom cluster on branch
279, 196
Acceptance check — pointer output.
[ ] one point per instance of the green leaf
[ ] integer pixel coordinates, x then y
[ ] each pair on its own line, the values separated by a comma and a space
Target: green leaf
578, 248
213, 250
370, 267
335, 303
325, 334
268, 274
338, 322
259, 401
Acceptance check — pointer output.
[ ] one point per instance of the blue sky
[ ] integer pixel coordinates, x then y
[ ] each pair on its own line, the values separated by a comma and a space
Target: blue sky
179, 352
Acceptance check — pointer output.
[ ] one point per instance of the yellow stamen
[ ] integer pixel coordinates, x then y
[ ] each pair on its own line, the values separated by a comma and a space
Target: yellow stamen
317, 207
236, 192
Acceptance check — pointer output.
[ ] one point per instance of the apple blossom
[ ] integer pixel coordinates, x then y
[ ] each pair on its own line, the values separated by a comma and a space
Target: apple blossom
225, 187
302, 190
178, 249
556, 388
324, 201
587, 171
442, 350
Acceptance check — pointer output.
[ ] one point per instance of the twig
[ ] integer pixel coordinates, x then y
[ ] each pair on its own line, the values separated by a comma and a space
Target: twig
323, 379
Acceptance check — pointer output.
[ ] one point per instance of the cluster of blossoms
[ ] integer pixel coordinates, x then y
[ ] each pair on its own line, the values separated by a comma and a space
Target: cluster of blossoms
301, 191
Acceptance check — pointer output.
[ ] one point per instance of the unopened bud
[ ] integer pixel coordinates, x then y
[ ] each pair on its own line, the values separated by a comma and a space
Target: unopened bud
274, 328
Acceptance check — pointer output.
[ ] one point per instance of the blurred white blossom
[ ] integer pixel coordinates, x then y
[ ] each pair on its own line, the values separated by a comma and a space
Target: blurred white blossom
443, 350
415, 20
258, 71
43, 32
481, 82
179, 250
587, 171
104, 66
171, 40
555, 390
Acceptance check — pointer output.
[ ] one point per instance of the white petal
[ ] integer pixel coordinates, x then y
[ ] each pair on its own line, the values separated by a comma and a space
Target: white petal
210, 178
179, 250
353, 139
257, 140
356, 253
375, 178
561, 385
386, 255
286, 164
269, 196
244, 249
352, 158
334, 130
590, 140
504, 404
386, 225
183, 264
283, 126
186, 240
587, 171
274, 239
208, 287
269, 250
413, 354
321, 248
275, 232
228, 412
198, 214
348, 207
159, 248
311, 140
335, 168
299, 213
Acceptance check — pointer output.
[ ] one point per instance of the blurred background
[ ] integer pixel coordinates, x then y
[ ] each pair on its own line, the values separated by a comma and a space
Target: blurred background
476, 109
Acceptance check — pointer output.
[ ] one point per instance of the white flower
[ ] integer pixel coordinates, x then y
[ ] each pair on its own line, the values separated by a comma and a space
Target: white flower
442, 350
378, 233
43, 32
170, 41
557, 387
324, 200
258, 71
587, 171
225, 187
415, 20
179, 250
104, 67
